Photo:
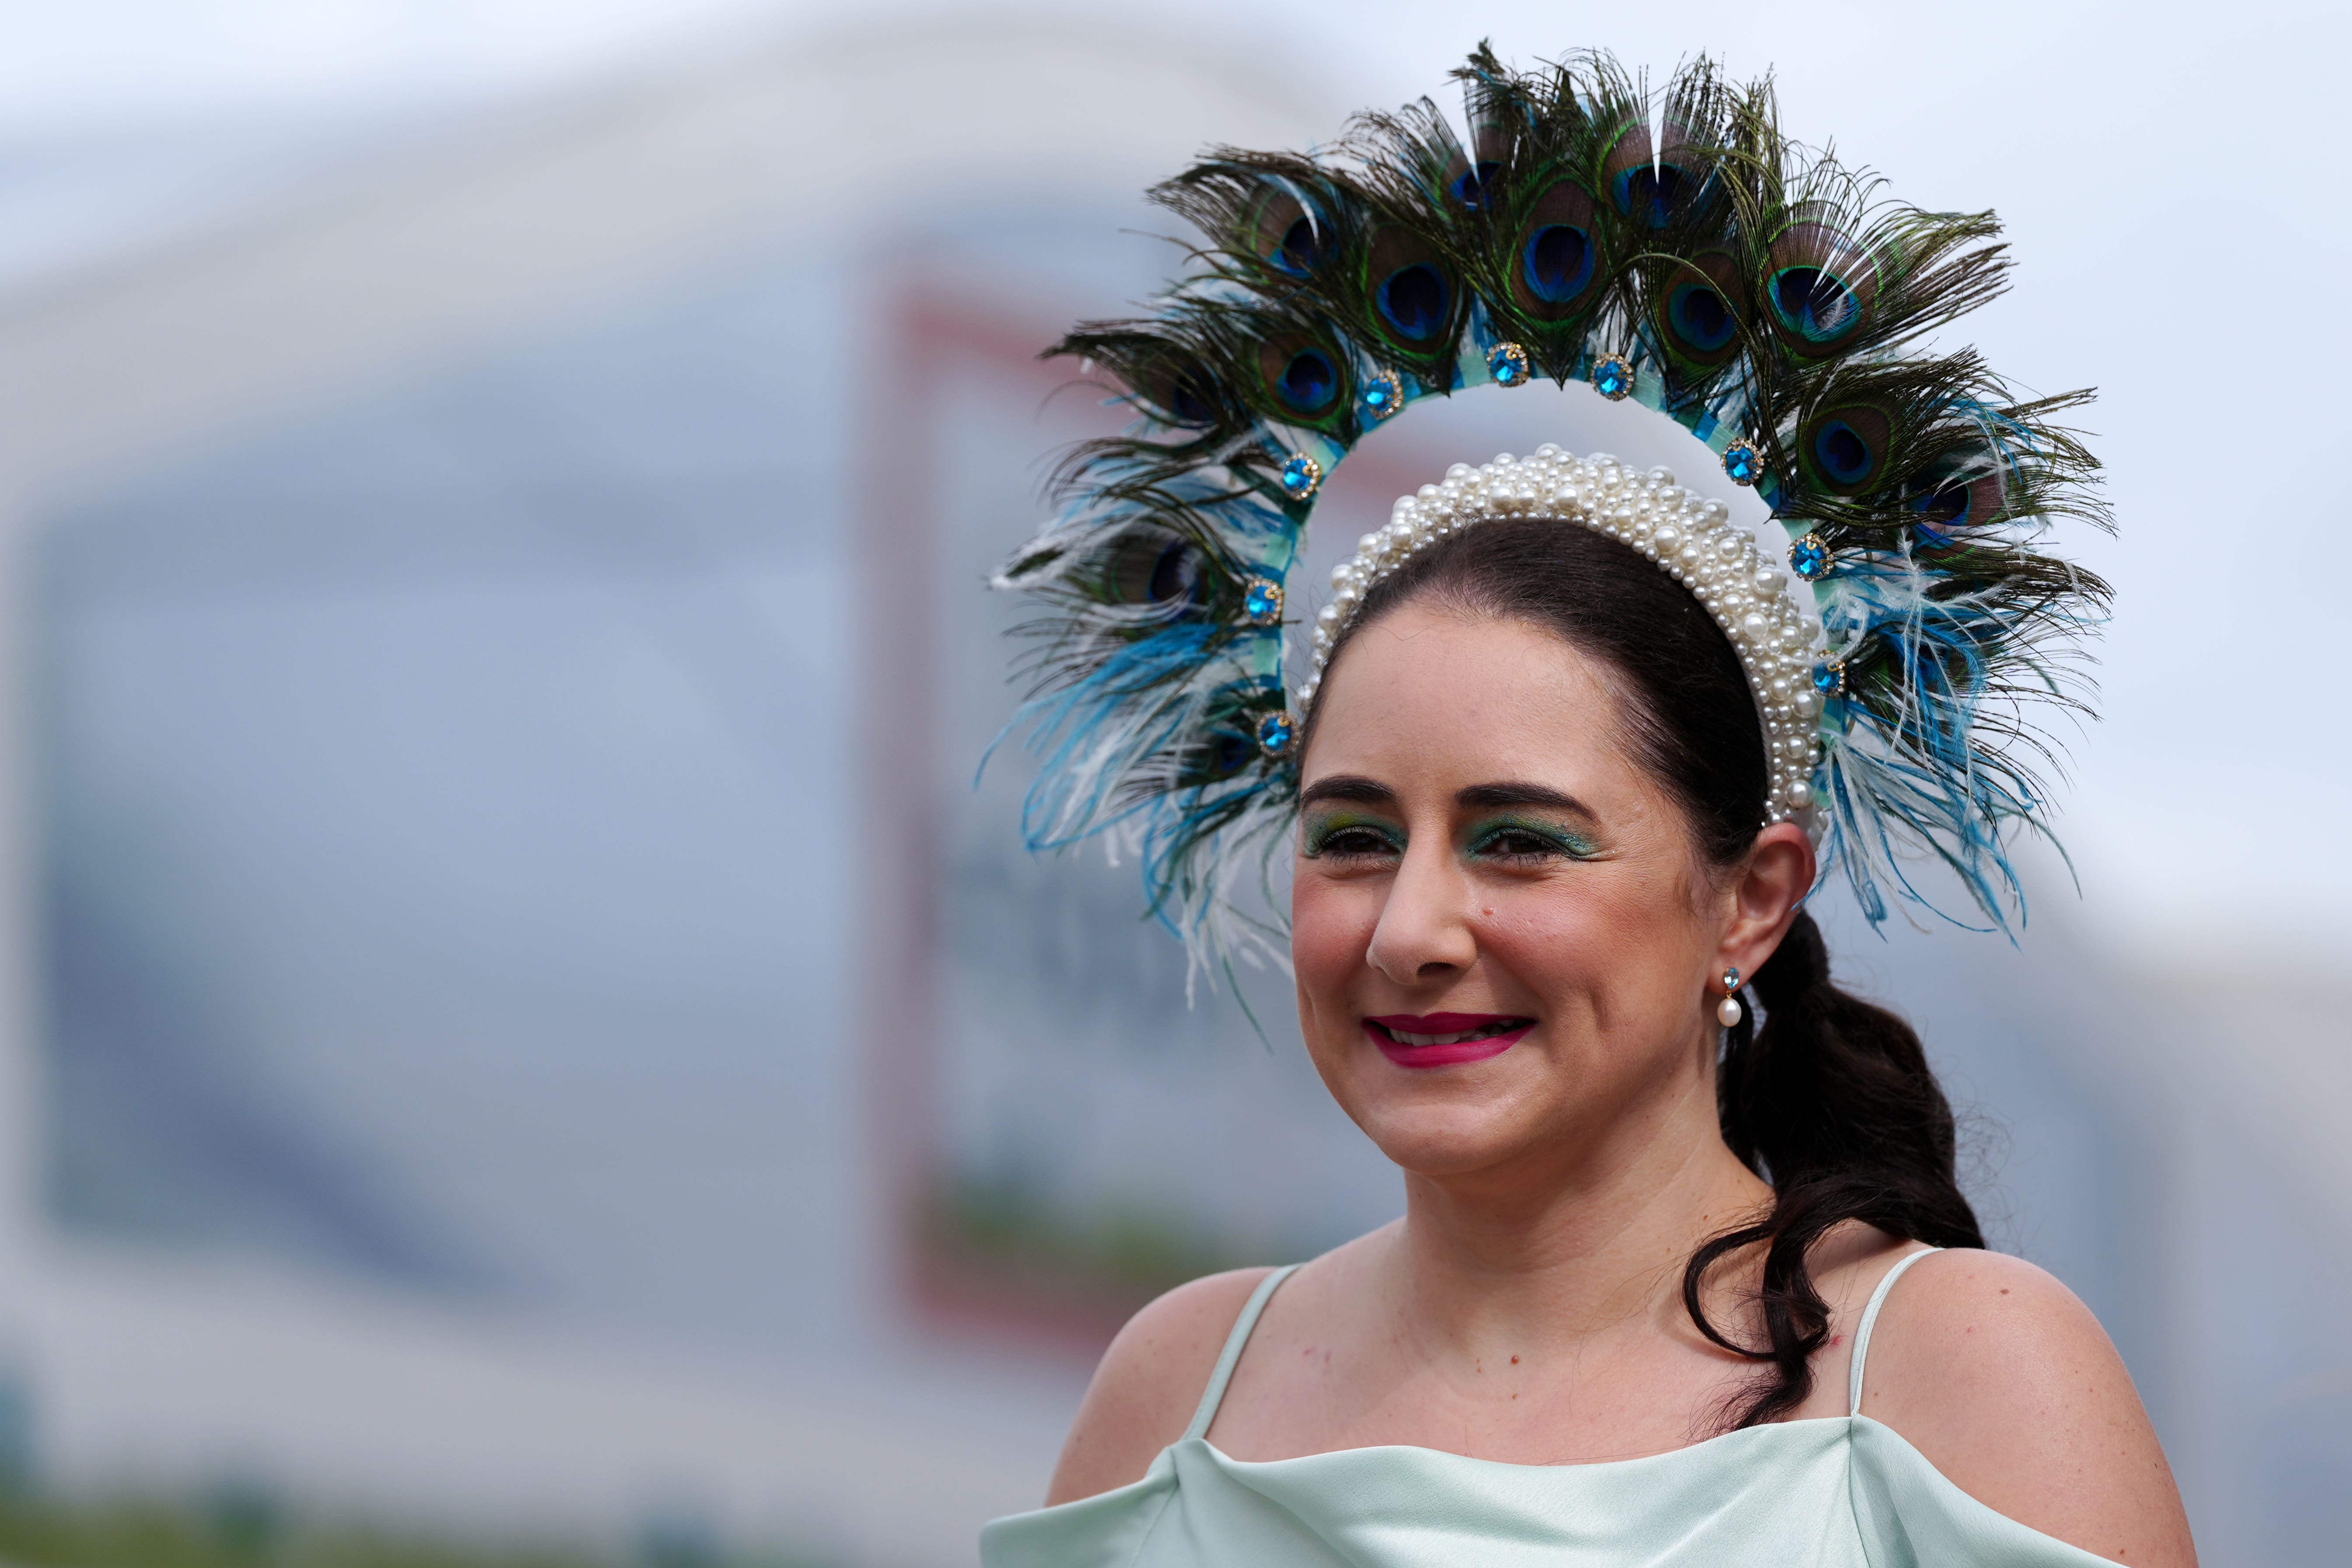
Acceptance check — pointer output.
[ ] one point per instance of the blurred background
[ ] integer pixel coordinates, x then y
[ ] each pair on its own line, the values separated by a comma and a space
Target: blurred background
520, 1039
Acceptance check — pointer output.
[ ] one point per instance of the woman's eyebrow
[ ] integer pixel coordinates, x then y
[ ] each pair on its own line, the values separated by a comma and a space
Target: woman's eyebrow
1349, 786
1486, 795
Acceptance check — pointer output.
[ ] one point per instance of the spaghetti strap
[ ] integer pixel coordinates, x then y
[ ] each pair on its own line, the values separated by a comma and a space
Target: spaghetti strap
1869, 1317
1215, 1394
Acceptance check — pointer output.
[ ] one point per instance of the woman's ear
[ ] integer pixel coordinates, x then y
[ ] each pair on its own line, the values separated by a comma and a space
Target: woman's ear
1770, 886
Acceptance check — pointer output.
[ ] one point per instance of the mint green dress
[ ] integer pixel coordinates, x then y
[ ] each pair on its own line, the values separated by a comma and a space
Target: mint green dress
1837, 1491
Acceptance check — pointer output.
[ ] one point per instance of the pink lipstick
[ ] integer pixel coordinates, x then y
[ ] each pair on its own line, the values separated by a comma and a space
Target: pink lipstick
1444, 1039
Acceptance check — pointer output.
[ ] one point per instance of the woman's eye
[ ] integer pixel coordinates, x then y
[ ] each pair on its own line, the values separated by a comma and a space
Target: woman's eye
1525, 844
1515, 845
1350, 842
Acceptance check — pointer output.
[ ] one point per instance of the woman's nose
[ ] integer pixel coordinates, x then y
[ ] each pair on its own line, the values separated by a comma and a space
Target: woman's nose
1424, 933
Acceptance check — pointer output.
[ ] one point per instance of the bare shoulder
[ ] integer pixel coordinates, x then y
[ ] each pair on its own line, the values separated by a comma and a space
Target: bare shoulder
1150, 1381
2004, 1380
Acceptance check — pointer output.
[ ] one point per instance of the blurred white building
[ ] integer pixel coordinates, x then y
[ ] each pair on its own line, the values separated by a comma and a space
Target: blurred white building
515, 1010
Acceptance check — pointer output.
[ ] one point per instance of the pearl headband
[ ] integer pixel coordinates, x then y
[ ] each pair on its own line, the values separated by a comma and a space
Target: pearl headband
1774, 628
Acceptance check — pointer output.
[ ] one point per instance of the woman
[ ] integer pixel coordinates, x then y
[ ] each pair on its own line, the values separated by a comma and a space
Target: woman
1670, 1286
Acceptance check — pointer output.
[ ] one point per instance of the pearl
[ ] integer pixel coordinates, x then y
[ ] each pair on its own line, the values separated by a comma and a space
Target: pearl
1458, 472
1801, 795
1728, 1013
1806, 702
1667, 535
1662, 475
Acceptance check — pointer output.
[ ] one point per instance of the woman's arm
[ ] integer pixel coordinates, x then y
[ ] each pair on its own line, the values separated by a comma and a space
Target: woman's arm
1151, 1380
2004, 1380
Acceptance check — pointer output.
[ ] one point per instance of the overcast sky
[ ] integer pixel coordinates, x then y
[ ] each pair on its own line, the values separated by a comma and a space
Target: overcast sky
2165, 170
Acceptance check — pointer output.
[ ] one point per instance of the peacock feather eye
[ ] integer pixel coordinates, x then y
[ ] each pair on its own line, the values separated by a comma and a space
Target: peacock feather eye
1176, 389
1152, 566
1700, 324
1820, 289
1815, 303
1301, 250
1416, 298
1285, 235
1958, 502
1942, 507
1558, 260
1475, 188
1653, 188
1415, 301
1844, 450
1303, 377
1476, 181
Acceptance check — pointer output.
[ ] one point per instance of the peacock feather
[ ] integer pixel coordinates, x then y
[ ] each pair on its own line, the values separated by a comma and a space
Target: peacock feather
1669, 243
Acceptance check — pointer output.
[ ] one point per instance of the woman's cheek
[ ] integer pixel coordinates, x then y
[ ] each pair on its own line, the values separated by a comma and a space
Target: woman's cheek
1331, 925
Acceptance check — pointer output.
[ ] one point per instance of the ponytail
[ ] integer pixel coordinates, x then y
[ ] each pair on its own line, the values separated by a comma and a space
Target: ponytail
1834, 1103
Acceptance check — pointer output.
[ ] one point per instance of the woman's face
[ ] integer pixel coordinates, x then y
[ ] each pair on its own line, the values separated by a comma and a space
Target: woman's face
1505, 942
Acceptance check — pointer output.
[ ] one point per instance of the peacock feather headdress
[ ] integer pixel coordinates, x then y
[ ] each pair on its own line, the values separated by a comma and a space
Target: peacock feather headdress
1670, 247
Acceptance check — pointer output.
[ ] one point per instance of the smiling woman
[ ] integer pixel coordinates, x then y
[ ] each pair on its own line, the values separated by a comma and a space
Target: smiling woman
1572, 752
1527, 878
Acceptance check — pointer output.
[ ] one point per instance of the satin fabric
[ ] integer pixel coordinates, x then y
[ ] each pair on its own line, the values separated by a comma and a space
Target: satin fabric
1841, 1491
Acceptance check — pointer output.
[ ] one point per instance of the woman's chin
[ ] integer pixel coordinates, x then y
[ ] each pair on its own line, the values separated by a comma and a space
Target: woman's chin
1450, 1141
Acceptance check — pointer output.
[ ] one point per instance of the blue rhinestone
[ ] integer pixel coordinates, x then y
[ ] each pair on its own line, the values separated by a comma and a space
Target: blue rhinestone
1383, 394
1508, 363
1300, 475
1743, 462
1829, 679
1274, 734
1613, 377
1809, 558
1262, 602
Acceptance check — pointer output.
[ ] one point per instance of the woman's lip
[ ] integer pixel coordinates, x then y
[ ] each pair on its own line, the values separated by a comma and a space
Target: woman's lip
1439, 1023
1452, 1053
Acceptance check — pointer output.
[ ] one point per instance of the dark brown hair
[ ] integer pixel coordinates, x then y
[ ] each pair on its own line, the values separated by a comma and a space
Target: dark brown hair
1831, 1101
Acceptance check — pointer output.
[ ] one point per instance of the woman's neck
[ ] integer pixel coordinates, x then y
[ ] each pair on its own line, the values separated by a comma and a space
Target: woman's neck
1559, 1247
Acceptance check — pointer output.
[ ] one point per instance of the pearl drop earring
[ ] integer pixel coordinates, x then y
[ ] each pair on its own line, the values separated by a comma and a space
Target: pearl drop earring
1729, 1012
